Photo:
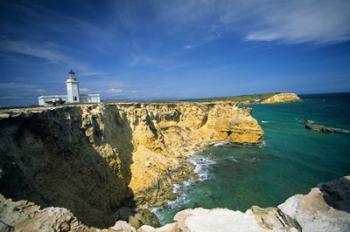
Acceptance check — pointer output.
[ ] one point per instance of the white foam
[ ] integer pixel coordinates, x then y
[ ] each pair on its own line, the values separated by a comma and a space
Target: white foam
180, 200
155, 210
263, 144
201, 166
176, 188
262, 121
220, 144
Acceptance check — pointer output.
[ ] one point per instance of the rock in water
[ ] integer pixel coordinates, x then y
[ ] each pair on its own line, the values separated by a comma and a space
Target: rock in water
281, 98
325, 129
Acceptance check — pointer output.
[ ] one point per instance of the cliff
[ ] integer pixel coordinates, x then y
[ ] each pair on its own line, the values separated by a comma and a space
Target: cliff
256, 98
325, 208
281, 98
98, 159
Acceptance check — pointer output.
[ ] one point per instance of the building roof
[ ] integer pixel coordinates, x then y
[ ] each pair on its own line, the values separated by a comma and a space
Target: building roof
71, 75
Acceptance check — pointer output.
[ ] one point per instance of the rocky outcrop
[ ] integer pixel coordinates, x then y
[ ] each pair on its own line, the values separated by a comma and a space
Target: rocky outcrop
164, 135
325, 129
26, 216
96, 159
281, 98
324, 209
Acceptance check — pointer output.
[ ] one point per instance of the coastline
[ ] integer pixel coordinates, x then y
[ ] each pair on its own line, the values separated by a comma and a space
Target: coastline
199, 172
187, 161
141, 150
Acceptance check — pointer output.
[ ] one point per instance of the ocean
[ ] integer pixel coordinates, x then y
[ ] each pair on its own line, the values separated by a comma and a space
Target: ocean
291, 159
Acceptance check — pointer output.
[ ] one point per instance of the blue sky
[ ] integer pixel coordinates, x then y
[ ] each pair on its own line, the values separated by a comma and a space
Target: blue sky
173, 49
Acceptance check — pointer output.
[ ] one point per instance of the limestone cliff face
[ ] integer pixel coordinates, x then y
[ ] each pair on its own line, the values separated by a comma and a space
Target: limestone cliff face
165, 134
90, 158
281, 98
47, 157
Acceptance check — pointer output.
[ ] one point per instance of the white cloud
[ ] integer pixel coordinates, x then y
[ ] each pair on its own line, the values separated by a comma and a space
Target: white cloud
23, 48
9, 86
204, 40
144, 60
11, 90
84, 90
315, 21
114, 90
9, 97
47, 51
312, 21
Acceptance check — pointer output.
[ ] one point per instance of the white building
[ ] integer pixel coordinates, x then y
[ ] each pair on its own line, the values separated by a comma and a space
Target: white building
73, 94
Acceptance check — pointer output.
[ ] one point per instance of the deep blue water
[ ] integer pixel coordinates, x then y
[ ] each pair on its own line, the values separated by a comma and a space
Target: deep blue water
292, 159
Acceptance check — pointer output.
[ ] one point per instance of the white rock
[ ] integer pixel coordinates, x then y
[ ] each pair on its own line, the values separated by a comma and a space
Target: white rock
122, 226
205, 220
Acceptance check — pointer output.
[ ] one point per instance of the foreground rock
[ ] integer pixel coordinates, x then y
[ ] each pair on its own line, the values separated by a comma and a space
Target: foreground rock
26, 216
325, 129
94, 159
281, 98
324, 209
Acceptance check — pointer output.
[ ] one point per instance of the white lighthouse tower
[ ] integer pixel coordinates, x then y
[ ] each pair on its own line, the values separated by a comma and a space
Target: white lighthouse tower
73, 94
72, 88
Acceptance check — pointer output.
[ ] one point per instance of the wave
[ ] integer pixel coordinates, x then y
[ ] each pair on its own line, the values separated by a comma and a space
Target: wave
220, 144
262, 121
263, 144
201, 164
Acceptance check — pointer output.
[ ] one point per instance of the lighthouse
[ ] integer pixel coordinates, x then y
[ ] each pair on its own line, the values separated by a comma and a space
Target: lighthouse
72, 88
73, 94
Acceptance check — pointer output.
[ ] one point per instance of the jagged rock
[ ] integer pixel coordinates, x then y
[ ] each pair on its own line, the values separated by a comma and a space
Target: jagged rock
122, 226
143, 217
167, 228
281, 98
26, 216
324, 209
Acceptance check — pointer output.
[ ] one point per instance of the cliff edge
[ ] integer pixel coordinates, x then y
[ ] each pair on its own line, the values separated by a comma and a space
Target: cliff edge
96, 159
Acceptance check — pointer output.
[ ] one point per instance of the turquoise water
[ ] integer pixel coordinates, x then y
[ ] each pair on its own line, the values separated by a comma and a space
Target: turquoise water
291, 160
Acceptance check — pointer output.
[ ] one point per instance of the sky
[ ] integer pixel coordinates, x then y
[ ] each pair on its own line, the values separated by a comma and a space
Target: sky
173, 49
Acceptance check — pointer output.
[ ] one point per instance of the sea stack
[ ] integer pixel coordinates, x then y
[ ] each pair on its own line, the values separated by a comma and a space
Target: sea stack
281, 98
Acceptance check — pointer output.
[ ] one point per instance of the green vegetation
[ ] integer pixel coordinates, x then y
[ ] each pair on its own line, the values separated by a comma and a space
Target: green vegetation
254, 98
241, 98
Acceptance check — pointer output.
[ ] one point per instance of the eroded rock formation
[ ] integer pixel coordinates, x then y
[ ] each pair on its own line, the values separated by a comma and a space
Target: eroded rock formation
281, 98
96, 159
308, 124
325, 208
